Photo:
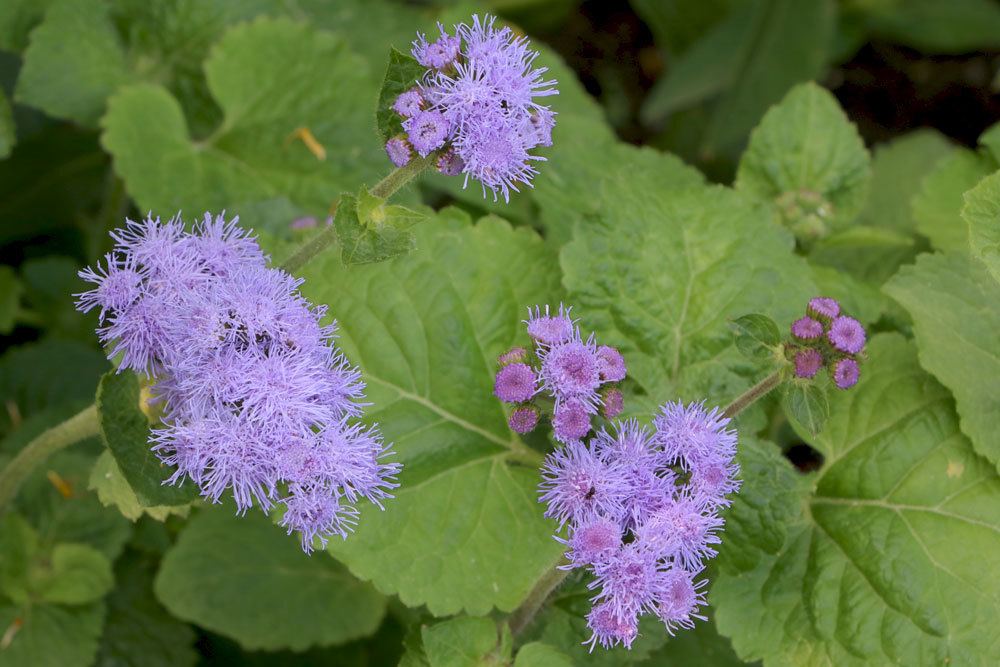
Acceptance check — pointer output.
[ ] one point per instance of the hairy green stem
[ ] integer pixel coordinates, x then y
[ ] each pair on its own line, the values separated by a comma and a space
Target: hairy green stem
384, 189
522, 616
79, 427
753, 394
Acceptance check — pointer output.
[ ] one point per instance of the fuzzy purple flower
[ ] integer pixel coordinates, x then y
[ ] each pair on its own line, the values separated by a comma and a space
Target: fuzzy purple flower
690, 432
823, 308
847, 335
258, 402
612, 403
515, 383
808, 361
399, 151
596, 540
570, 420
513, 356
806, 328
523, 419
482, 81
578, 484
549, 329
610, 628
611, 364
679, 600
571, 369
409, 103
846, 373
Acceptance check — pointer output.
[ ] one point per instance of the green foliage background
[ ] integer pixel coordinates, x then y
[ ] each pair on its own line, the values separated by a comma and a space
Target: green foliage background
885, 552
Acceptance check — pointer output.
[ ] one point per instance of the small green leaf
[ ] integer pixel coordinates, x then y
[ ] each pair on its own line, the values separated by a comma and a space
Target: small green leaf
10, 298
953, 301
18, 545
125, 430
112, 489
371, 230
982, 212
539, 654
402, 74
463, 642
74, 574
807, 158
242, 577
807, 404
756, 335
937, 206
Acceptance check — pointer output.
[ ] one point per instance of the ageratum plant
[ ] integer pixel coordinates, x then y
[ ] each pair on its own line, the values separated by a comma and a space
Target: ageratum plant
361, 422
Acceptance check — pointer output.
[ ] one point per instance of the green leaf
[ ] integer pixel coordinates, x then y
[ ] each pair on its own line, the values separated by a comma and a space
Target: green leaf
75, 60
465, 530
17, 18
539, 654
402, 73
982, 212
937, 207
880, 557
139, 632
10, 298
868, 254
8, 133
125, 431
464, 642
898, 167
756, 335
112, 489
702, 645
76, 574
953, 301
37, 375
743, 65
860, 300
807, 157
45, 635
807, 404
956, 26
267, 96
372, 230
677, 24
244, 578
660, 274
18, 546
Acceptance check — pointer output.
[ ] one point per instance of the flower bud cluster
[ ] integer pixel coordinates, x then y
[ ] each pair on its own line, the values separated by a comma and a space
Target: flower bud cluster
826, 338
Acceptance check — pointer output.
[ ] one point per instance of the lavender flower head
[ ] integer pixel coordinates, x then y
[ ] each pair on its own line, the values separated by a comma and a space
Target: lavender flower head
258, 401
565, 376
640, 526
483, 93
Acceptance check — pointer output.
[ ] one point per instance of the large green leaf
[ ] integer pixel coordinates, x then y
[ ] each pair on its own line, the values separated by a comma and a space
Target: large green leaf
139, 632
982, 212
880, 558
677, 24
898, 167
244, 578
45, 635
954, 304
744, 64
955, 26
540, 654
868, 254
807, 157
938, 205
125, 431
272, 78
17, 18
660, 274
465, 530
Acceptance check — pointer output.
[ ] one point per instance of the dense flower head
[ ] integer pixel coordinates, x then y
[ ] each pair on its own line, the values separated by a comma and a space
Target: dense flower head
479, 101
573, 379
399, 151
643, 514
258, 402
827, 338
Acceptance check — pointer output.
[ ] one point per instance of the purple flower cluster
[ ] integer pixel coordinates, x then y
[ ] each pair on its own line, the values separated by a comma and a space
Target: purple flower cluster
258, 401
643, 510
476, 106
826, 337
567, 376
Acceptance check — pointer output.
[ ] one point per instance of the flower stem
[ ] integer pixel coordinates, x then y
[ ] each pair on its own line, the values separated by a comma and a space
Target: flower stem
522, 616
753, 394
79, 427
384, 189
